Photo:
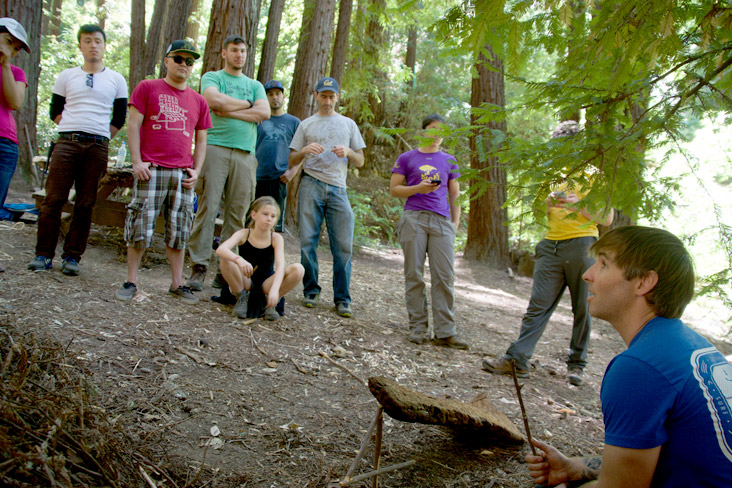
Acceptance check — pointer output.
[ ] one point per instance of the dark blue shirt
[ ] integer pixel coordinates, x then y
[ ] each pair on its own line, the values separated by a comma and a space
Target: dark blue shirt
273, 145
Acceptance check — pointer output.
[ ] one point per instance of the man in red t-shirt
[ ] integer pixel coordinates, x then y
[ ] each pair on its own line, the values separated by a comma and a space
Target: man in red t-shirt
165, 115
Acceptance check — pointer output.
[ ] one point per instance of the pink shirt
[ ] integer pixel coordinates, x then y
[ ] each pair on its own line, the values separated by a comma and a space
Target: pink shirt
7, 121
171, 117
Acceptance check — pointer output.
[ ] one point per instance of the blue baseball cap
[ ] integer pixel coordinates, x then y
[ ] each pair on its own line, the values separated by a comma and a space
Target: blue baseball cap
327, 84
272, 84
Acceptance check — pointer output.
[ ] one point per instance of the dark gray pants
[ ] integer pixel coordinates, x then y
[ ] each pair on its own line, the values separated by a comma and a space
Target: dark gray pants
559, 264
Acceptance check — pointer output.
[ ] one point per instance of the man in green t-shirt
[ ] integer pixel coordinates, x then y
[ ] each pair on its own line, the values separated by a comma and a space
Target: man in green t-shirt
228, 179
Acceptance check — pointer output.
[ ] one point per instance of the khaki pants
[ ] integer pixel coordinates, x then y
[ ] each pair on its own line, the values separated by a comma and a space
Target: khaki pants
227, 181
423, 233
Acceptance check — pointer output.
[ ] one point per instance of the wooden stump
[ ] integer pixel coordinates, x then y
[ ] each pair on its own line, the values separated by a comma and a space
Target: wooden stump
479, 420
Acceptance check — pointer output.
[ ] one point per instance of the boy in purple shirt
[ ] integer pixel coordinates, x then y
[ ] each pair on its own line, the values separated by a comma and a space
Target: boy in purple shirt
426, 177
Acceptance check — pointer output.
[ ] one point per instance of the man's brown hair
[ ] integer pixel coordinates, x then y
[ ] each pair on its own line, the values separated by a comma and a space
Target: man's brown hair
639, 250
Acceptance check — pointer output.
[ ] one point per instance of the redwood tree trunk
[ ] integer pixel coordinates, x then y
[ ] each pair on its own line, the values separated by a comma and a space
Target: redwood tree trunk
154, 45
410, 60
340, 48
101, 14
487, 232
175, 24
312, 55
137, 43
54, 27
269, 48
28, 13
232, 17
192, 25
373, 50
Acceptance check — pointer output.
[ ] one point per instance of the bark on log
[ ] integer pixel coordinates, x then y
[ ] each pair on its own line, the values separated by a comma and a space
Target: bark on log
479, 420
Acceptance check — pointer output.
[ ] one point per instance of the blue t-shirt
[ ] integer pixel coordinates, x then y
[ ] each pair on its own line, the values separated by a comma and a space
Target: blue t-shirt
672, 388
417, 166
273, 145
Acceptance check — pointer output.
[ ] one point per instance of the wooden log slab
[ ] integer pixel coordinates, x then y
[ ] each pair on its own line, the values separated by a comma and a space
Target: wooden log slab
479, 419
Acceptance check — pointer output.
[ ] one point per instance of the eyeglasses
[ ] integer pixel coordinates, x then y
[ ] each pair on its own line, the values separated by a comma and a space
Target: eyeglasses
90, 80
180, 60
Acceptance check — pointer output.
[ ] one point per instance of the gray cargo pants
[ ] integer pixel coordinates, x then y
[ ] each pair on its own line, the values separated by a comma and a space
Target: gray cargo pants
559, 264
420, 233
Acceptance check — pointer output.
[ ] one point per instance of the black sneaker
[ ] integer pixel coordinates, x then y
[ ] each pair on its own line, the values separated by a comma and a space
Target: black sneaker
40, 263
184, 293
198, 277
70, 267
417, 338
127, 292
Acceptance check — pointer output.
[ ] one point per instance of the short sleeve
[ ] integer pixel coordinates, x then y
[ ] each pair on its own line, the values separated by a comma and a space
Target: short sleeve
636, 399
400, 166
121, 87
209, 80
18, 74
259, 92
298, 140
454, 170
139, 97
204, 121
357, 142
59, 86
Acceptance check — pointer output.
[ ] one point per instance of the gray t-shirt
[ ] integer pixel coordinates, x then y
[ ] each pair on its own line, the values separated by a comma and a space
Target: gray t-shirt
328, 131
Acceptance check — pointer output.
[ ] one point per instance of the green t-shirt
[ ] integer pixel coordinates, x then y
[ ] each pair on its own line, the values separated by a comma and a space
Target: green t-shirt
226, 131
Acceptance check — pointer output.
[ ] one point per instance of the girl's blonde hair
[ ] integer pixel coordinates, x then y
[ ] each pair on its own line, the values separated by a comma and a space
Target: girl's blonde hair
257, 205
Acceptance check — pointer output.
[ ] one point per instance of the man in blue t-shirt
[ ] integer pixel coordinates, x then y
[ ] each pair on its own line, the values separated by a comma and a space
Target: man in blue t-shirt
273, 149
667, 399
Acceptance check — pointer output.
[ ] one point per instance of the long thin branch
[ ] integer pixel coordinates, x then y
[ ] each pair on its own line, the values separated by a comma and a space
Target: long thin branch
521, 404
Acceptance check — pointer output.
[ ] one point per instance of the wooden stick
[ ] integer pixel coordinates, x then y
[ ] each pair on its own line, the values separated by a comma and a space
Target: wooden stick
377, 472
343, 368
521, 403
377, 445
364, 442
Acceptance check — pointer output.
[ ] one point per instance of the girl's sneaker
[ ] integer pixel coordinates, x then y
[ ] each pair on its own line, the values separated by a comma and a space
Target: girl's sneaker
271, 314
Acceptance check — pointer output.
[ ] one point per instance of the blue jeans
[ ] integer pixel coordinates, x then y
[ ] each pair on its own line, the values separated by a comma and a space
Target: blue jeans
8, 162
318, 201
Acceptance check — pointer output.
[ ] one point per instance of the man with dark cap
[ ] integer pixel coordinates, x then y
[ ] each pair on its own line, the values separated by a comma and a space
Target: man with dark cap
165, 117
327, 142
273, 148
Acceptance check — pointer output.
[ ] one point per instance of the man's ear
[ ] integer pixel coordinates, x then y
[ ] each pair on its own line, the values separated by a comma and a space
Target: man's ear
646, 284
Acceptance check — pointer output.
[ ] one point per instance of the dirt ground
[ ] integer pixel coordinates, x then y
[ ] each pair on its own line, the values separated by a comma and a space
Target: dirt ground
232, 403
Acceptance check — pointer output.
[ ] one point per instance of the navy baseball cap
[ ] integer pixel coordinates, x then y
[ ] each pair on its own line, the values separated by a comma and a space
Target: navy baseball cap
327, 84
183, 46
271, 84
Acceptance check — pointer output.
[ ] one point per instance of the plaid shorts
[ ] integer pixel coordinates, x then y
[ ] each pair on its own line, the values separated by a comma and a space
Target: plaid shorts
163, 191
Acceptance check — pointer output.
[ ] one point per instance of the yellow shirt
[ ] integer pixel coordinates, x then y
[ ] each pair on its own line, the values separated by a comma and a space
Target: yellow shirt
565, 224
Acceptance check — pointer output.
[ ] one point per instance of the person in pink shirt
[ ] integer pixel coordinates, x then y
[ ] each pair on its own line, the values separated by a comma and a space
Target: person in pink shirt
165, 118
13, 84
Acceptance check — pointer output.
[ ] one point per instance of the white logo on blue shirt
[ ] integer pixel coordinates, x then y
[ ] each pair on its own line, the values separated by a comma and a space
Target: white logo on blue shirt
714, 374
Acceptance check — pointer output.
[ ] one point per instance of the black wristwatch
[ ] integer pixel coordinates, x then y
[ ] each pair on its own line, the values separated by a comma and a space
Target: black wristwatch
251, 103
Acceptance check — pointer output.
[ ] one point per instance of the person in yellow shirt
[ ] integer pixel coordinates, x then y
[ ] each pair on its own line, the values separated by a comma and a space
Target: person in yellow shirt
561, 259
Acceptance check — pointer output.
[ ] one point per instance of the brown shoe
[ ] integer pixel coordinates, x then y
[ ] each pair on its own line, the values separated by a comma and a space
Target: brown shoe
451, 342
503, 366
417, 338
198, 277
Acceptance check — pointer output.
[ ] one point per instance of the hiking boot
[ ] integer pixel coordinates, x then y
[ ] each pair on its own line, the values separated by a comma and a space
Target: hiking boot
575, 375
271, 314
184, 293
343, 309
451, 342
70, 267
242, 304
218, 281
310, 301
503, 366
127, 292
198, 277
417, 338
40, 263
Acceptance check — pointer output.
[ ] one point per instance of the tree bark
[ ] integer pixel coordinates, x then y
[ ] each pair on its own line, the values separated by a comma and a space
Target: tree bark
175, 24
271, 37
340, 48
101, 14
154, 45
487, 232
54, 27
137, 43
410, 60
312, 55
192, 25
232, 17
29, 13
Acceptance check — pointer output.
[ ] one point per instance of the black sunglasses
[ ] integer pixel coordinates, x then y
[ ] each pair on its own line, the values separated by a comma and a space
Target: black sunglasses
180, 59
90, 80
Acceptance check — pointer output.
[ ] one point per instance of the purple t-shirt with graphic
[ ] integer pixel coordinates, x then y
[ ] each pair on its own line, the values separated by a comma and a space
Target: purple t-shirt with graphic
417, 166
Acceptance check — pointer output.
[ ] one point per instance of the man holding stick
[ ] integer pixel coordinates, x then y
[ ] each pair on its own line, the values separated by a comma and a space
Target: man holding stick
667, 399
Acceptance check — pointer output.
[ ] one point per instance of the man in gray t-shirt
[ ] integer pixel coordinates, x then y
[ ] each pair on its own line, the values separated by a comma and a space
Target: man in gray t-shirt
326, 143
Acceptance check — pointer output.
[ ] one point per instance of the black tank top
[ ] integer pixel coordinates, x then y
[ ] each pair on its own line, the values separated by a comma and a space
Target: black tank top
260, 258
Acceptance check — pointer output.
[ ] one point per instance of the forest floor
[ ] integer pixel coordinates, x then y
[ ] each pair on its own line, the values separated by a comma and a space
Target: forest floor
223, 402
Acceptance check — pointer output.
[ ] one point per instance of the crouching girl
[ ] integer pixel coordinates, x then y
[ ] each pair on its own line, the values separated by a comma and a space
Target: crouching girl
256, 272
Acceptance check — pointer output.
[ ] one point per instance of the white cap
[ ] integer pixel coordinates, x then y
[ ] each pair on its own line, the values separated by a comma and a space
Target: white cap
16, 30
